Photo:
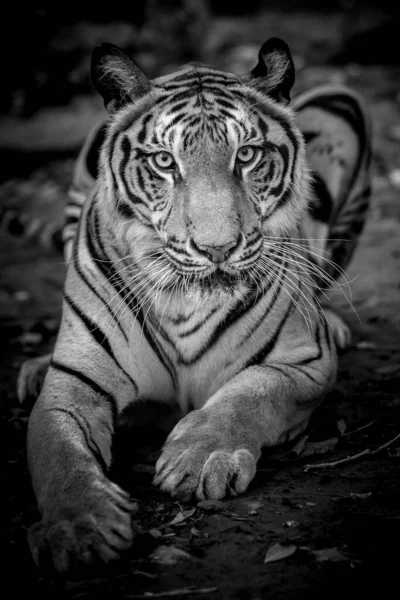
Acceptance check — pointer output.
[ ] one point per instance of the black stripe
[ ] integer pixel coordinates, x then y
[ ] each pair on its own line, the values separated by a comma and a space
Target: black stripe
269, 346
127, 296
303, 372
271, 305
200, 324
95, 387
94, 330
88, 438
126, 148
77, 266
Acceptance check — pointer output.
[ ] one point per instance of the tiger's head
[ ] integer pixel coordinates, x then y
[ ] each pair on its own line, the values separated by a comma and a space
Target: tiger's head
200, 168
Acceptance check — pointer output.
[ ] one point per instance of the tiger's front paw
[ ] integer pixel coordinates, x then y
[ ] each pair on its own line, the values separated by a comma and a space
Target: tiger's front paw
99, 527
202, 460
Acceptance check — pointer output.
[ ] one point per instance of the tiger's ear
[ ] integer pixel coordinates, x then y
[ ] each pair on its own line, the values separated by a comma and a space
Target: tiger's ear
274, 73
117, 77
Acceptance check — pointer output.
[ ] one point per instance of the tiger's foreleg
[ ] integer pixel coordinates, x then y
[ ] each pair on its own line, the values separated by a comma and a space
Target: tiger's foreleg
213, 452
84, 514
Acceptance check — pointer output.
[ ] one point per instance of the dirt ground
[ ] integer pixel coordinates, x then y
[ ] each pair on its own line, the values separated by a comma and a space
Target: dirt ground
339, 526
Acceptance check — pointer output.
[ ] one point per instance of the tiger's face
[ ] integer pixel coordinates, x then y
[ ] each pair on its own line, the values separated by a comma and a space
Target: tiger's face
199, 170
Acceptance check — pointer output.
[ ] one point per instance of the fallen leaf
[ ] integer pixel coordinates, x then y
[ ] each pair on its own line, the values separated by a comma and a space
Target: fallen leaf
299, 446
182, 516
155, 533
332, 554
394, 452
195, 532
320, 447
211, 505
169, 555
277, 552
310, 503
361, 495
394, 403
387, 369
254, 505
365, 345
341, 425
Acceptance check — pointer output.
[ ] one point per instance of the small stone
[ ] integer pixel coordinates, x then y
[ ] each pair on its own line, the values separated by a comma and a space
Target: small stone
30, 338
394, 178
22, 296
291, 524
169, 555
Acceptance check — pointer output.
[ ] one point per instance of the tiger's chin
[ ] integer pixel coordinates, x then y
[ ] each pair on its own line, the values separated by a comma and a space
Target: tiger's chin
218, 284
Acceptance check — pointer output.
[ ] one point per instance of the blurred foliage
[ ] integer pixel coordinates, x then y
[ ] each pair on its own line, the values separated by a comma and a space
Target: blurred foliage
45, 51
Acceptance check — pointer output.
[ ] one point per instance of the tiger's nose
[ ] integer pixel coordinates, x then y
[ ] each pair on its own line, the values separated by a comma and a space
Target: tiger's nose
217, 254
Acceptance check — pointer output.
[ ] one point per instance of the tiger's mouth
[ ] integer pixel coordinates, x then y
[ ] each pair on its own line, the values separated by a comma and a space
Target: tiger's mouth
217, 280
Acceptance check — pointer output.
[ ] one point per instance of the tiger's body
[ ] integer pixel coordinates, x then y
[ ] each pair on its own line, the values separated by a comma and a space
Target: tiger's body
192, 281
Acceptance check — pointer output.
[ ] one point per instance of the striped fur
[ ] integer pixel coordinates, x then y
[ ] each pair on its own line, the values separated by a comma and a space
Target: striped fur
193, 283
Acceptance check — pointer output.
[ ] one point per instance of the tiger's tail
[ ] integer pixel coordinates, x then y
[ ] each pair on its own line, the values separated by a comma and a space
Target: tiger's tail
337, 131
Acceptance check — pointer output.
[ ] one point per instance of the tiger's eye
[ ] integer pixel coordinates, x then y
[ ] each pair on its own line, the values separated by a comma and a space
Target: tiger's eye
246, 154
164, 160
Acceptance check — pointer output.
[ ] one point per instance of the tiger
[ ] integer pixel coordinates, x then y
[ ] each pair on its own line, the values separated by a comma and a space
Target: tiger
206, 218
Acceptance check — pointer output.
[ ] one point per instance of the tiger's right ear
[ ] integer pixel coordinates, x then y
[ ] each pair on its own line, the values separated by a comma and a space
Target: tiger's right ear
117, 77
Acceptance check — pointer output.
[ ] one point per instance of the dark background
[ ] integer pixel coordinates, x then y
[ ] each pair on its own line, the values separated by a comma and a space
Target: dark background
45, 51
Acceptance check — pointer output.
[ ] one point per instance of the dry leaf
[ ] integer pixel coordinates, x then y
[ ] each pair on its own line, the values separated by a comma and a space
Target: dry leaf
365, 345
299, 446
394, 403
155, 533
277, 552
254, 506
310, 503
341, 425
387, 369
360, 496
320, 447
332, 554
169, 555
182, 516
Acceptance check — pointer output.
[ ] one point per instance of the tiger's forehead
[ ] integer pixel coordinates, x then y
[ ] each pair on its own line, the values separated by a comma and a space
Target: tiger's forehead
195, 71
198, 106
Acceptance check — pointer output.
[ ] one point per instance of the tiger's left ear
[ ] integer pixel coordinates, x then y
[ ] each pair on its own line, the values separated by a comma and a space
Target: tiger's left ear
117, 77
274, 73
